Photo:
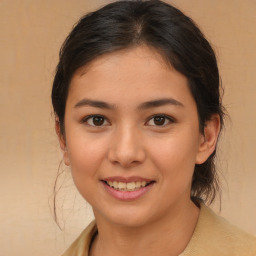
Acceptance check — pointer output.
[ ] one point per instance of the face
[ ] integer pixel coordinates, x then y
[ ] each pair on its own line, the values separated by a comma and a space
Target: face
132, 136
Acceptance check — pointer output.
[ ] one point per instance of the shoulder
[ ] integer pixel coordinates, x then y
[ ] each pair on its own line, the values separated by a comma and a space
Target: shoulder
216, 236
213, 236
80, 247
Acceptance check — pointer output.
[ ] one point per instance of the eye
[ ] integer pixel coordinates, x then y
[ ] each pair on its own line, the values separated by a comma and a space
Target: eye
95, 120
160, 120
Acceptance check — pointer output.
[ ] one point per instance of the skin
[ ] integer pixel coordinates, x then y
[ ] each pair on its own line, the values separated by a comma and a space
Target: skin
131, 143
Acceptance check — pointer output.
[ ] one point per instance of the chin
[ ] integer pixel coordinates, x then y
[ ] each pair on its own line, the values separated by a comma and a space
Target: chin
129, 217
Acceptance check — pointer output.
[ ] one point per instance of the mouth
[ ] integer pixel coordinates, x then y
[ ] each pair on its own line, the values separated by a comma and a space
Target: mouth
128, 186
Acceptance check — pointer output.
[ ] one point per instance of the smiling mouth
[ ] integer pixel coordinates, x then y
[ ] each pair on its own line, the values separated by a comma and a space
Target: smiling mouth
127, 186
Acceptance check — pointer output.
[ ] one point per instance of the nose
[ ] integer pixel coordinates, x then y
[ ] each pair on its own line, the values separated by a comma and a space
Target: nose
126, 148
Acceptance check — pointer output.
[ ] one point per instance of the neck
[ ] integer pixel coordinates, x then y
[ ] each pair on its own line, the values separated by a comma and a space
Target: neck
167, 236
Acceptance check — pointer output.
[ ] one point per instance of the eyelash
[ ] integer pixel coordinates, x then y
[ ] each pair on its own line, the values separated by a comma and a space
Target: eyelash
85, 120
166, 118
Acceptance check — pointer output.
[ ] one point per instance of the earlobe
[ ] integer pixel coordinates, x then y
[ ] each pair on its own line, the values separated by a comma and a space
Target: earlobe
209, 139
62, 142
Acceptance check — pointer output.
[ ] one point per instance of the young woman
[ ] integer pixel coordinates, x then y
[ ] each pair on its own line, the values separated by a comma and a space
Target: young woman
138, 115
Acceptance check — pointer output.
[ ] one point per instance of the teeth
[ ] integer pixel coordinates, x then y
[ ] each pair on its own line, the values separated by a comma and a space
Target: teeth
121, 185
130, 186
138, 184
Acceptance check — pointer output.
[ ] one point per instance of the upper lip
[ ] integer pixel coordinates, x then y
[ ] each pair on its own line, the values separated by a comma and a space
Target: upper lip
127, 179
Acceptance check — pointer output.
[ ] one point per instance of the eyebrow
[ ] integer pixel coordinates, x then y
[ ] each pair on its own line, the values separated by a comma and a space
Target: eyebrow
142, 106
94, 103
159, 103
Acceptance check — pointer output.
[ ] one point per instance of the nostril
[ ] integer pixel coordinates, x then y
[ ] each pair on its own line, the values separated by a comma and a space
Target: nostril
126, 158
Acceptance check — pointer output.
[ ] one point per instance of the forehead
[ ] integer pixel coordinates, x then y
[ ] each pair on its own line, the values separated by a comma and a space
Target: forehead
129, 75
140, 51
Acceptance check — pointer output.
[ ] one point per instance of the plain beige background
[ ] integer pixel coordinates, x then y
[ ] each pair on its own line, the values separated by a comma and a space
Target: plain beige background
31, 33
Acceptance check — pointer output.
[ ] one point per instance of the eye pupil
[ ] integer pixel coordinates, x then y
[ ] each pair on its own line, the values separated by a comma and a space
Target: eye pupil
159, 120
98, 120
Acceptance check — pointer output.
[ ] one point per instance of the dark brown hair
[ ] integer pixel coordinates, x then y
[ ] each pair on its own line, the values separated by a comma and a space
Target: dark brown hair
126, 24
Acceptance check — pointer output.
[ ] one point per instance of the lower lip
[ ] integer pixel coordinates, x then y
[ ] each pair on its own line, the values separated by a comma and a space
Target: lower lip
127, 195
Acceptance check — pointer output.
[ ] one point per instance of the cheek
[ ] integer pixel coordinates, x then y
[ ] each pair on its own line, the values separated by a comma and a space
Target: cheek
85, 162
86, 155
176, 156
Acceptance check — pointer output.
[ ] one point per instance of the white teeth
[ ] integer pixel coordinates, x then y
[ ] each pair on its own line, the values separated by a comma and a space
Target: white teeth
130, 186
137, 184
121, 185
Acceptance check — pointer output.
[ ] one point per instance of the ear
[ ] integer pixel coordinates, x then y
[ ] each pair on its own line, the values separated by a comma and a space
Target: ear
62, 142
209, 139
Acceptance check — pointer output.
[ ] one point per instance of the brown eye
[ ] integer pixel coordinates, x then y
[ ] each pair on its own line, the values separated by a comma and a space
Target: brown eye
98, 120
160, 120
95, 120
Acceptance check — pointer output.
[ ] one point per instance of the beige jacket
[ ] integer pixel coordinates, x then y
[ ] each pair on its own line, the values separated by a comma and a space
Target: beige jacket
213, 236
